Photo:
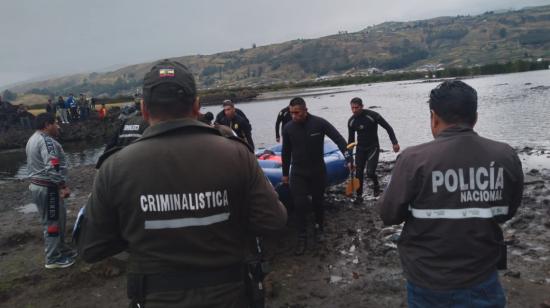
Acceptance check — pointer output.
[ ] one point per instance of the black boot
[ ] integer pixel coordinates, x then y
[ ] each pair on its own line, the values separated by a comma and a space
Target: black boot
301, 244
375, 187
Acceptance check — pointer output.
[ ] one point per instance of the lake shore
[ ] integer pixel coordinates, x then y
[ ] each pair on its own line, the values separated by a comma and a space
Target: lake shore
358, 266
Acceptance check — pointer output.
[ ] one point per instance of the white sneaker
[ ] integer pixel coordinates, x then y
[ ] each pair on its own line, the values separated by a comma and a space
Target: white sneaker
62, 262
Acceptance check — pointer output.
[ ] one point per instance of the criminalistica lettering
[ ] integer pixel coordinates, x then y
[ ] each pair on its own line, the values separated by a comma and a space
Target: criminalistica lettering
183, 202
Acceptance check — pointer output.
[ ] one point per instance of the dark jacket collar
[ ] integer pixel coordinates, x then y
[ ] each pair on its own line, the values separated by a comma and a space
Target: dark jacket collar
456, 130
159, 129
171, 125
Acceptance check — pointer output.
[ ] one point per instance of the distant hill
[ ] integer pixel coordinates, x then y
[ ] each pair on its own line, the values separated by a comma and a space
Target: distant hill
441, 42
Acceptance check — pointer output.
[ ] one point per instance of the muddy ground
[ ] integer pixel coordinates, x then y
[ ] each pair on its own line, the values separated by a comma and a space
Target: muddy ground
358, 266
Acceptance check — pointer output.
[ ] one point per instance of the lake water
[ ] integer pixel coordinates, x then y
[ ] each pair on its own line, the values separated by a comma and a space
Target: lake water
514, 108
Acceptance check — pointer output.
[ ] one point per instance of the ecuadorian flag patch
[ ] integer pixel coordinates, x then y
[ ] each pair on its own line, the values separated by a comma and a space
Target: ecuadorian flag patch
166, 72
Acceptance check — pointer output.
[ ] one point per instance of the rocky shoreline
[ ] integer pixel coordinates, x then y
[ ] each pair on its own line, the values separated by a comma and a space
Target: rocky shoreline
90, 130
358, 266
96, 130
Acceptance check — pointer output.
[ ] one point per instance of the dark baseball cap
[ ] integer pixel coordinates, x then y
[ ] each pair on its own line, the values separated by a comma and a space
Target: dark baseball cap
167, 82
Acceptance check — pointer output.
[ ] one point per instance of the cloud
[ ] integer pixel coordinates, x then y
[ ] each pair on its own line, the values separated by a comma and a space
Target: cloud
65, 36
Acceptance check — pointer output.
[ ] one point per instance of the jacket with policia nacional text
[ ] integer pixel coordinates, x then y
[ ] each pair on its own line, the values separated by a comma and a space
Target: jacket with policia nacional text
181, 198
452, 193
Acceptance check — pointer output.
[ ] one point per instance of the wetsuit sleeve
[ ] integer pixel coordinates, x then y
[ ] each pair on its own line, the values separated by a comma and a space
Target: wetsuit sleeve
351, 131
402, 189
100, 231
54, 161
278, 124
516, 184
286, 154
387, 127
335, 136
266, 214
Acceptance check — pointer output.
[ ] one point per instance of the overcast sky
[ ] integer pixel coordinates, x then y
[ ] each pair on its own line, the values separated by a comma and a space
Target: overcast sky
41, 38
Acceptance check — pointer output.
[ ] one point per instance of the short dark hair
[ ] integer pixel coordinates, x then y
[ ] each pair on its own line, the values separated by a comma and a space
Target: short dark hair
297, 101
455, 102
228, 103
356, 101
43, 119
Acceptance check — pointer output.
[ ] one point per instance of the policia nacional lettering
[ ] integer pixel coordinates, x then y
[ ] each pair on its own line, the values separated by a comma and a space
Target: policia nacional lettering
475, 184
188, 202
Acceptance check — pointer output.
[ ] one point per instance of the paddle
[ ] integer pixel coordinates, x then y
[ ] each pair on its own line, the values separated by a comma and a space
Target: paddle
353, 183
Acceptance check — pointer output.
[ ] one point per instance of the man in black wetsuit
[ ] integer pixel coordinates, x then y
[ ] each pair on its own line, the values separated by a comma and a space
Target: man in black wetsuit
303, 147
238, 124
365, 122
282, 118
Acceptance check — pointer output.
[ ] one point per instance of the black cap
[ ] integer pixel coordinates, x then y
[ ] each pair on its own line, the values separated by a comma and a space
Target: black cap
176, 79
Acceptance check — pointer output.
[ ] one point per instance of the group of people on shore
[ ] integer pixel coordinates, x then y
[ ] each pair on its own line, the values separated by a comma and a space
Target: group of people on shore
185, 198
73, 109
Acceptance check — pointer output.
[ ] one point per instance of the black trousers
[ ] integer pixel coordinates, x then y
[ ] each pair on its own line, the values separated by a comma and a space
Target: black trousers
303, 185
369, 157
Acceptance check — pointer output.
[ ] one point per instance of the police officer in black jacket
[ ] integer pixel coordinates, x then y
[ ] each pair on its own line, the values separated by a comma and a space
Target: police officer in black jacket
182, 200
238, 124
365, 123
452, 193
129, 130
303, 147
282, 118
221, 114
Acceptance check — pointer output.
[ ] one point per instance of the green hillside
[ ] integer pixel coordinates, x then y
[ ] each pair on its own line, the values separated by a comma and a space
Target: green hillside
443, 42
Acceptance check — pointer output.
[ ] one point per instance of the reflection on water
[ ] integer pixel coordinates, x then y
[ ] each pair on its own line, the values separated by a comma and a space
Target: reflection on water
514, 108
13, 162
